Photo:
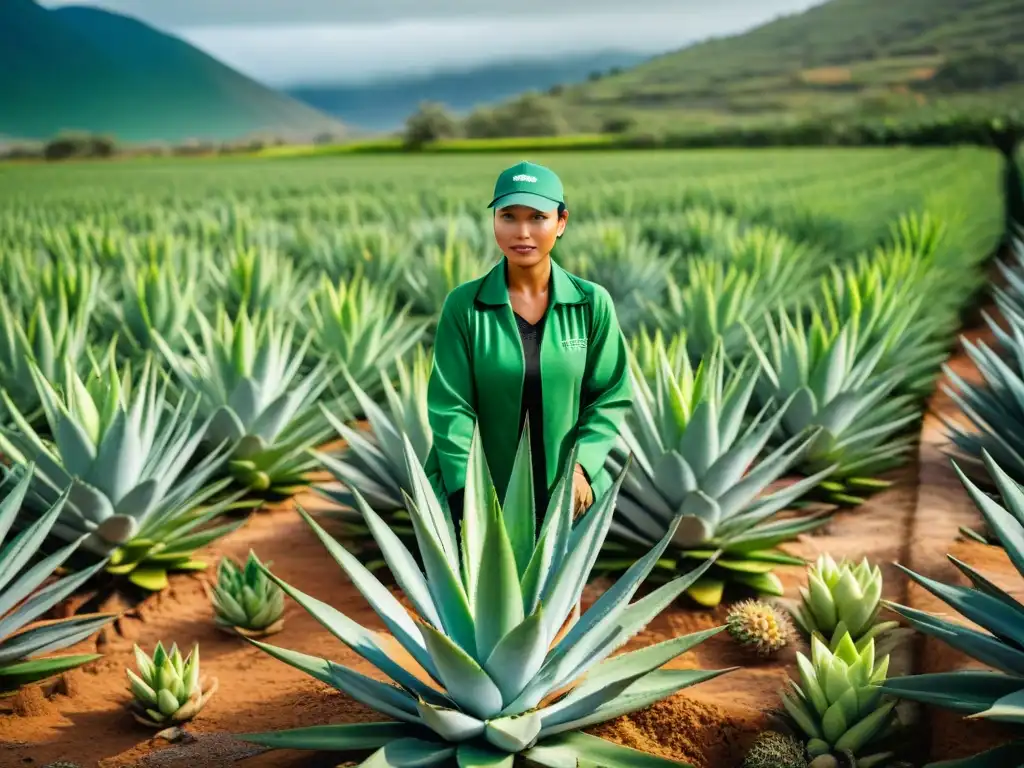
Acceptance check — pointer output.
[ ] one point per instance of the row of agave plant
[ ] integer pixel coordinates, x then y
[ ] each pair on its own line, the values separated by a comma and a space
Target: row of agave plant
124, 469
153, 459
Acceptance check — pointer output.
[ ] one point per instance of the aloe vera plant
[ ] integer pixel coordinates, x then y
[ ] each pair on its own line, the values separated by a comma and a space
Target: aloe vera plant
23, 597
489, 629
694, 466
124, 450
994, 637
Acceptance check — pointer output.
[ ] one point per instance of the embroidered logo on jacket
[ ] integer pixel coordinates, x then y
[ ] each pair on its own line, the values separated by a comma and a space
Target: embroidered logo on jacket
574, 343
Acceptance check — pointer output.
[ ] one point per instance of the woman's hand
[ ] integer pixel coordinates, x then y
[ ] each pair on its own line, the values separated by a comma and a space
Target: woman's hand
582, 493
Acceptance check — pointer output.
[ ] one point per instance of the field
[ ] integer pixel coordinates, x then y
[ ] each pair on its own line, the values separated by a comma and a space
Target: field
197, 350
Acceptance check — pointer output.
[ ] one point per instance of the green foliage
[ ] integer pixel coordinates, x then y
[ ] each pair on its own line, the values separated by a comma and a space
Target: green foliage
25, 594
431, 122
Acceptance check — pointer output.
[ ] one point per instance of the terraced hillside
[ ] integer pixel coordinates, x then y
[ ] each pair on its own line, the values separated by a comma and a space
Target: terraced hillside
843, 57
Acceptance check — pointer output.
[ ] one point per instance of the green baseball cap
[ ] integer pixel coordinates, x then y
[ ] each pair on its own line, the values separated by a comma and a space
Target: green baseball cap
528, 184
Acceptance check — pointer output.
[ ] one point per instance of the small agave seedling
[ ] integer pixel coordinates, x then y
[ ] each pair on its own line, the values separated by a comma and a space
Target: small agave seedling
168, 689
487, 617
245, 601
839, 703
24, 598
841, 598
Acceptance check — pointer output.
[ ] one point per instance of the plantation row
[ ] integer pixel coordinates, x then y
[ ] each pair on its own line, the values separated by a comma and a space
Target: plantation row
169, 358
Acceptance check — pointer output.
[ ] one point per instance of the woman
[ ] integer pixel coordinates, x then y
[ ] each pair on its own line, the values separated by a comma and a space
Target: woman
527, 343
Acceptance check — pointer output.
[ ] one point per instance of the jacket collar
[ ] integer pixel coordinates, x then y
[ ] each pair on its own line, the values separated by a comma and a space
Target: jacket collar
493, 289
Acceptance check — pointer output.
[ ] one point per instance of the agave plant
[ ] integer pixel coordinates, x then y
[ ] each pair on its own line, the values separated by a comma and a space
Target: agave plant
839, 703
1011, 297
994, 407
373, 463
23, 596
647, 347
257, 278
432, 273
741, 274
48, 336
489, 628
245, 601
820, 370
157, 298
635, 271
887, 297
123, 450
360, 325
692, 458
994, 635
246, 374
168, 689
840, 599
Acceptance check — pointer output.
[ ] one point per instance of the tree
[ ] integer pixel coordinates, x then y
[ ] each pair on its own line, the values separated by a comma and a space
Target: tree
431, 122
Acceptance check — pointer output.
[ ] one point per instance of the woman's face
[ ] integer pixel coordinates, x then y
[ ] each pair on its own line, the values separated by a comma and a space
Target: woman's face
526, 235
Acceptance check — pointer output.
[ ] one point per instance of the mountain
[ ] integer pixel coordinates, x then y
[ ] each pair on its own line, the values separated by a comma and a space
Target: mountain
384, 104
85, 69
843, 56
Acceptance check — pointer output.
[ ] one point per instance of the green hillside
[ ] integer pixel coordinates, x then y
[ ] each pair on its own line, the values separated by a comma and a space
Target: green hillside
83, 69
865, 57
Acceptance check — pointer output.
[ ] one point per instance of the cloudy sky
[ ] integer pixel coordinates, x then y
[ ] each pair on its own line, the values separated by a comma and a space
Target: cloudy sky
290, 42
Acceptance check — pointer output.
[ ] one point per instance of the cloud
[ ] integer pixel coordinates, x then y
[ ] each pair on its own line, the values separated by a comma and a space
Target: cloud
306, 42
189, 13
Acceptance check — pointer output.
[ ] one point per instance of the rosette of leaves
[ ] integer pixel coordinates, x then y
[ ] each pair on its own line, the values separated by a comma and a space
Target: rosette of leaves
696, 467
246, 374
635, 271
360, 325
168, 689
431, 271
125, 451
159, 291
49, 335
841, 598
245, 601
839, 705
828, 380
25, 595
992, 633
488, 626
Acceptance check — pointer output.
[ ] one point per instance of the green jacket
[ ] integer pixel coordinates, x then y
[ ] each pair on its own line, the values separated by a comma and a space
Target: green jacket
584, 379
